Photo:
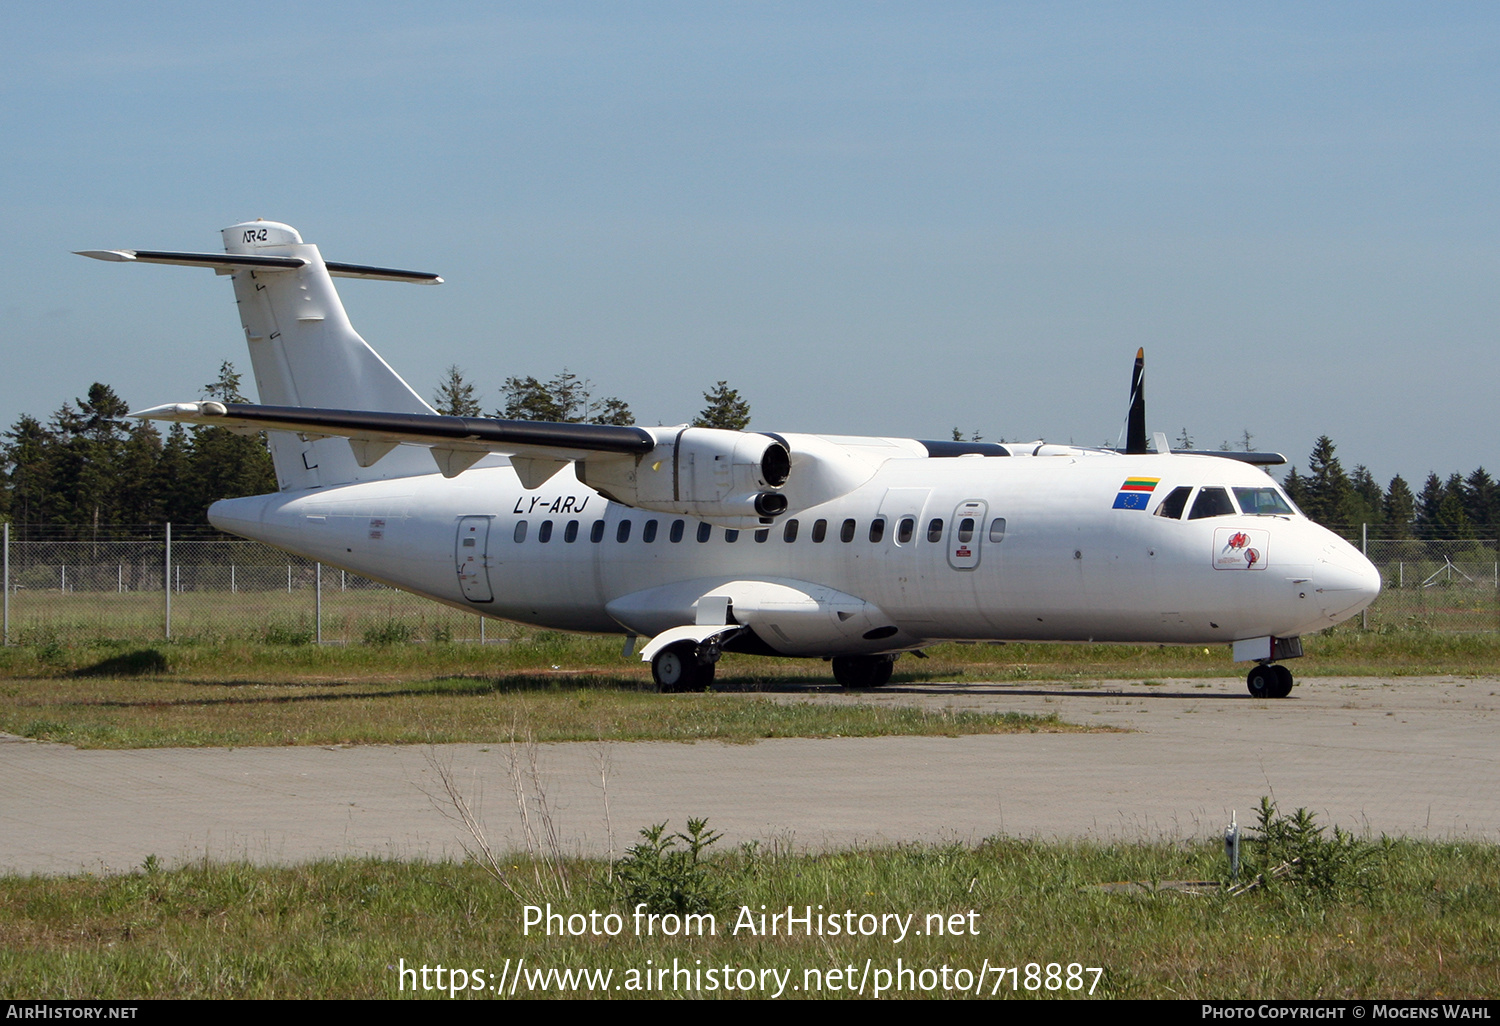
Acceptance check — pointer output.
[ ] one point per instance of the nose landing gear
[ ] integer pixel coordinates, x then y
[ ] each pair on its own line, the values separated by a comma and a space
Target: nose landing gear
1268, 680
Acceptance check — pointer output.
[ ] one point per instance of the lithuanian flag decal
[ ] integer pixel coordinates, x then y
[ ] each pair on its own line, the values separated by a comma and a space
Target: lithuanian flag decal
1136, 492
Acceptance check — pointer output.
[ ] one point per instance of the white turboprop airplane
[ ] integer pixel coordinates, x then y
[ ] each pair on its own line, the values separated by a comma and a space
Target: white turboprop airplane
847, 548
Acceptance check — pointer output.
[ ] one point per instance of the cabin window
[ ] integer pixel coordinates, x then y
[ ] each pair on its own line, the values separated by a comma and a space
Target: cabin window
731, 535
1263, 502
705, 531
762, 534
997, 529
1173, 505
622, 533
905, 530
935, 529
544, 532
820, 531
789, 533
520, 534
846, 533
570, 533
596, 533
648, 533
966, 530
877, 529
675, 535
1211, 502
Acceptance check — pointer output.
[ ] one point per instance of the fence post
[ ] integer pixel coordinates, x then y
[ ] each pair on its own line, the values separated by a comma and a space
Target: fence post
318, 569
6, 583
1364, 548
166, 579
481, 628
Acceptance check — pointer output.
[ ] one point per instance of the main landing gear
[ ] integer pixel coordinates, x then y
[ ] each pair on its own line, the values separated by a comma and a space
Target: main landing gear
685, 666
859, 672
1269, 680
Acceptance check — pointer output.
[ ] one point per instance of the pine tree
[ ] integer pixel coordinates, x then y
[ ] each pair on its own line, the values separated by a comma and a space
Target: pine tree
1328, 490
1398, 508
613, 411
28, 457
223, 463
1481, 500
725, 409
456, 397
1366, 500
566, 399
140, 500
1295, 486
1428, 507
179, 504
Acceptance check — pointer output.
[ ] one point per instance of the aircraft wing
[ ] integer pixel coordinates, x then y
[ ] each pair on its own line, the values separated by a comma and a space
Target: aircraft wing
457, 443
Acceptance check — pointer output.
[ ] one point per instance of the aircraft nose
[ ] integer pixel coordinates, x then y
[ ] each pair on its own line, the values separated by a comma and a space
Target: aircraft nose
1346, 581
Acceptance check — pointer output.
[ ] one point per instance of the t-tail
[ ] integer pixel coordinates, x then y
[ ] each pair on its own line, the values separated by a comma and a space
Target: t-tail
303, 350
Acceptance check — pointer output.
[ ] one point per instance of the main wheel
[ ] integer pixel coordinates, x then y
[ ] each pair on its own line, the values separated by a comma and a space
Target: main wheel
1261, 680
859, 672
1284, 682
678, 668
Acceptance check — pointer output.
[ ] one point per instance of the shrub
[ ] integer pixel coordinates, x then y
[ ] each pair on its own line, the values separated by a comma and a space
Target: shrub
1294, 850
666, 878
392, 632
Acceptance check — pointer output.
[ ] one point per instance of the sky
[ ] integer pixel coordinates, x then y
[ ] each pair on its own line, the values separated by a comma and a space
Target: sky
869, 218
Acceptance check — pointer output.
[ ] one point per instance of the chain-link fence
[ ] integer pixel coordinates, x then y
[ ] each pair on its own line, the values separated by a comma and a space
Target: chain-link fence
1436, 585
113, 584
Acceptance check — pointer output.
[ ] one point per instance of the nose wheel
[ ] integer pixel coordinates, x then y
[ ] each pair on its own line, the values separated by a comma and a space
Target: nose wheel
1267, 680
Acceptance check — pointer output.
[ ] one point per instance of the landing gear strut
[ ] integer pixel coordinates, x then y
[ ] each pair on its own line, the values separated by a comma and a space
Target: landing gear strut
685, 666
859, 672
1267, 680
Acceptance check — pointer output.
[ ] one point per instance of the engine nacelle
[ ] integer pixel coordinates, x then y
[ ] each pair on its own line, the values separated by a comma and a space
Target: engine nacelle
730, 477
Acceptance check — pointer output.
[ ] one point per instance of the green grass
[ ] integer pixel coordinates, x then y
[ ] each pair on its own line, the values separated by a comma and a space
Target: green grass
1427, 925
114, 713
572, 687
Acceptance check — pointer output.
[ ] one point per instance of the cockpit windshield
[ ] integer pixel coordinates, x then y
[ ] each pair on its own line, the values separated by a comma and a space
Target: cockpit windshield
1263, 501
1211, 502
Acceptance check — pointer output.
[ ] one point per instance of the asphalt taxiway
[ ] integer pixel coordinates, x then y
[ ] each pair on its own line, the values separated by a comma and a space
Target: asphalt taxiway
1404, 756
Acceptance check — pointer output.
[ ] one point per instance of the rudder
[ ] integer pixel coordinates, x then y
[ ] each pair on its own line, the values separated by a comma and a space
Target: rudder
304, 352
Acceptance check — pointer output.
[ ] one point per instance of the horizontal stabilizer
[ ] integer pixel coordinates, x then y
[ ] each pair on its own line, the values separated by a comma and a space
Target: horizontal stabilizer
230, 262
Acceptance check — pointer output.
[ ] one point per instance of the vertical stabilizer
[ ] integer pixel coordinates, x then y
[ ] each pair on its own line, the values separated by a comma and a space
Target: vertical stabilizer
1135, 430
304, 352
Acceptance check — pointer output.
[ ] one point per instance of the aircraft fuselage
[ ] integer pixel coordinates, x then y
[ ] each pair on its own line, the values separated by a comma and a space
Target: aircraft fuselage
1046, 555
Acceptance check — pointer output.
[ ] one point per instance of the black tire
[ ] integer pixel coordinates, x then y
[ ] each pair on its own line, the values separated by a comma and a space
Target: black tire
859, 672
677, 668
1261, 680
1284, 682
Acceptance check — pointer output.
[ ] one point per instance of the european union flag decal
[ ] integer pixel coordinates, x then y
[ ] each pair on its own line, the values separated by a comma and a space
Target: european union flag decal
1135, 493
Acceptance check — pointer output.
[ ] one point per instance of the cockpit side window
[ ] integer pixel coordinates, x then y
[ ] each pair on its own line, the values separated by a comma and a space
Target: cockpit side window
1211, 502
1173, 505
1263, 501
